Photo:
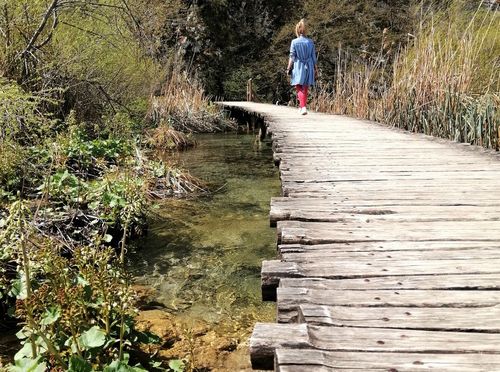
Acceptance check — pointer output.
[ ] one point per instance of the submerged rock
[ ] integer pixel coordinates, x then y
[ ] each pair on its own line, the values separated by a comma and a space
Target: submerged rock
161, 323
207, 349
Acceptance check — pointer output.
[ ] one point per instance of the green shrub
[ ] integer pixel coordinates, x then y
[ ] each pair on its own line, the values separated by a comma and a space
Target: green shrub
77, 309
21, 120
90, 158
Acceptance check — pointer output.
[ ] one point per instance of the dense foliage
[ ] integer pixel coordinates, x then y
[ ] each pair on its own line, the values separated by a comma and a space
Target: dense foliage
76, 174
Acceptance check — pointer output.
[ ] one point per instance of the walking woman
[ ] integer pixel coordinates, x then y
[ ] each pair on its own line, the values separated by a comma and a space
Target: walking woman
305, 65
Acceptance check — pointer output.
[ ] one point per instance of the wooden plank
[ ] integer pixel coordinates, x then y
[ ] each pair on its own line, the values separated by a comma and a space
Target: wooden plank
264, 342
482, 319
326, 204
403, 185
314, 253
385, 213
388, 247
291, 232
313, 177
446, 281
318, 162
383, 168
267, 338
406, 187
399, 213
289, 360
290, 298
361, 193
273, 271
336, 269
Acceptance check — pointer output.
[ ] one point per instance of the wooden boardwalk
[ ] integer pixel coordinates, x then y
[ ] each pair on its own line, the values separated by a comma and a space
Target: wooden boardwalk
388, 250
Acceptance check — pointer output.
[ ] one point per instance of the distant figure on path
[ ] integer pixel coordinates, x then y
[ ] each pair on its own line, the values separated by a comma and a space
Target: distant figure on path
305, 64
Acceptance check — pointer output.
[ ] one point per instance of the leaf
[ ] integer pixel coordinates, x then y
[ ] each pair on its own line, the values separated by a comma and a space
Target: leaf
148, 338
92, 338
176, 365
28, 365
25, 352
78, 364
19, 288
107, 238
122, 366
23, 334
52, 314
82, 281
155, 364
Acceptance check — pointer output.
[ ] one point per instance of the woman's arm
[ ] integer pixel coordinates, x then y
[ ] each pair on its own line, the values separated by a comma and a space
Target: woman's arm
292, 57
315, 60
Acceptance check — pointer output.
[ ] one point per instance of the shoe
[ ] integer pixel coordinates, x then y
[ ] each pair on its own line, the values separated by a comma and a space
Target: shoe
303, 111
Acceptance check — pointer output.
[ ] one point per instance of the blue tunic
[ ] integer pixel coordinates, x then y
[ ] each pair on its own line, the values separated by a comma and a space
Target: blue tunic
303, 55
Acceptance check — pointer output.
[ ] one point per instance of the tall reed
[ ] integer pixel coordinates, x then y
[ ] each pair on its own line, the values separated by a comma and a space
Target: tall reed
183, 105
445, 83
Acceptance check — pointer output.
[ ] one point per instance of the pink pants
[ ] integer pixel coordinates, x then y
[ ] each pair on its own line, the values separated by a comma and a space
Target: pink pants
302, 91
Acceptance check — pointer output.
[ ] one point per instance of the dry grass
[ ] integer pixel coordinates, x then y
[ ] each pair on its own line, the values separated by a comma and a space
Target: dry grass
355, 90
184, 105
164, 137
446, 83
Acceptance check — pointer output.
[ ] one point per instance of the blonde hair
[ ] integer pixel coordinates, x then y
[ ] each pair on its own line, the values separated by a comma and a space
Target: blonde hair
301, 28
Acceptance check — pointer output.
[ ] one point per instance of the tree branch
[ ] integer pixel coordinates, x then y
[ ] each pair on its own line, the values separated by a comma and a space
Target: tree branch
52, 7
49, 36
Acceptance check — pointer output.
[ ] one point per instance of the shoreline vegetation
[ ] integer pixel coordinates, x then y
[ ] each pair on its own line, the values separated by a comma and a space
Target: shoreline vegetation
91, 92
445, 82
81, 126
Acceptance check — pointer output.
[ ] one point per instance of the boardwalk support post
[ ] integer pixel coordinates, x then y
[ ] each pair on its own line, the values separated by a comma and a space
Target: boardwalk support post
250, 90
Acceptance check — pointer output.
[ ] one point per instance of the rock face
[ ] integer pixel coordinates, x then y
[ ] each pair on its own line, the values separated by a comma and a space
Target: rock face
226, 40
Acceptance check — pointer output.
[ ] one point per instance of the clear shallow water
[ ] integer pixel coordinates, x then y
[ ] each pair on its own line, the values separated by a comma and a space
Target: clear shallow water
203, 256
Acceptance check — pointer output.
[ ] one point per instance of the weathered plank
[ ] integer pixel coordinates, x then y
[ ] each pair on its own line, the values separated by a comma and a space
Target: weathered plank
382, 214
267, 338
291, 232
320, 210
317, 252
483, 319
314, 177
374, 247
453, 281
290, 360
337, 269
291, 299
273, 271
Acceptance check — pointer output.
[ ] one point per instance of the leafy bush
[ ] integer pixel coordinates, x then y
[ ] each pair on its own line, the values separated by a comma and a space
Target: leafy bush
11, 165
21, 120
77, 310
90, 158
